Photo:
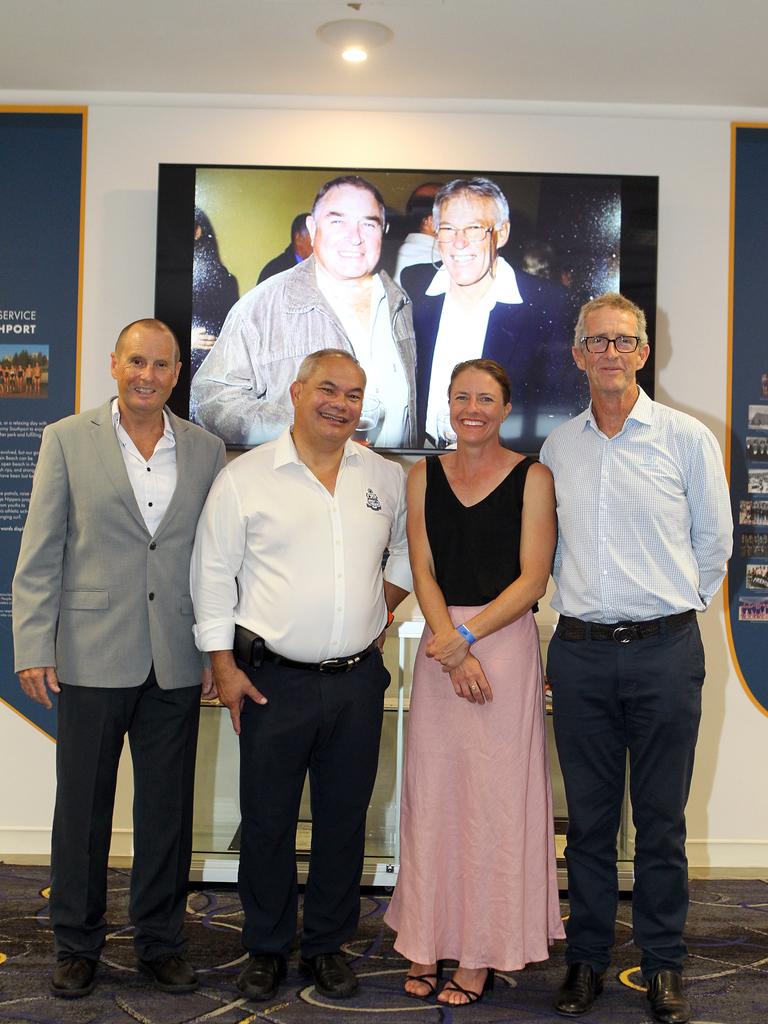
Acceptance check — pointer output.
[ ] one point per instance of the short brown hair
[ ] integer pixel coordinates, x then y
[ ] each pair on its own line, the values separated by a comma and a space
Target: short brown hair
489, 366
150, 322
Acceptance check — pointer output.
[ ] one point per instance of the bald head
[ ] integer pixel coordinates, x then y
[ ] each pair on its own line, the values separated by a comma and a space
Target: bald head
144, 328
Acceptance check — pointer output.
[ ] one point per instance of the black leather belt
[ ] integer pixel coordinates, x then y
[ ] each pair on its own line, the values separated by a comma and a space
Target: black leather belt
330, 665
619, 632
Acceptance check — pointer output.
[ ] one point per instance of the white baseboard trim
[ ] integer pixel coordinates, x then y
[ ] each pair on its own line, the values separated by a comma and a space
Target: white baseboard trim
34, 845
26, 841
727, 853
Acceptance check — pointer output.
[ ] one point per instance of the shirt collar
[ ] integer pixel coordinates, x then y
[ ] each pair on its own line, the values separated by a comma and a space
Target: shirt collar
332, 289
286, 453
167, 429
503, 289
641, 411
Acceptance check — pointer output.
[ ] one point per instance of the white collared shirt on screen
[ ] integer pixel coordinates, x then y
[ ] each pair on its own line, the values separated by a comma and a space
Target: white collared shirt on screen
277, 553
376, 351
461, 334
153, 480
416, 248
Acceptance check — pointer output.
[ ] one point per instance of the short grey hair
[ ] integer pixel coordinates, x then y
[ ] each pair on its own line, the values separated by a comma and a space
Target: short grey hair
611, 300
309, 363
482, 188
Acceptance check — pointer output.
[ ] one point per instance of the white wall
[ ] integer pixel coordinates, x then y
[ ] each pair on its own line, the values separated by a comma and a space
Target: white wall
689, 151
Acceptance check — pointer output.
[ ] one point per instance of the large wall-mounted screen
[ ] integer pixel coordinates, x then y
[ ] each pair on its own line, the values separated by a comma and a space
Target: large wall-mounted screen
238, 280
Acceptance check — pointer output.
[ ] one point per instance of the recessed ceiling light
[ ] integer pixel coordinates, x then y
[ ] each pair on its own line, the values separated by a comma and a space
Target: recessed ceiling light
355, 54
354, 37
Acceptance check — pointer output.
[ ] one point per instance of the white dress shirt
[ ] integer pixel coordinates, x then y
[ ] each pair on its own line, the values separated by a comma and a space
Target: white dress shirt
153, 480
376, 351
461, 334
277, 553
644, 517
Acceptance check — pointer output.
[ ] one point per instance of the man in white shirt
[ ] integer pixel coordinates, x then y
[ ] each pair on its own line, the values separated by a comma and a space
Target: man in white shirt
291, 601
644, 534
335, 298
102, 618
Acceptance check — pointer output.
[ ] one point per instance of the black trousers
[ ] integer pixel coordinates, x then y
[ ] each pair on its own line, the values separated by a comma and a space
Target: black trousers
643, 698
162, 732
329, 726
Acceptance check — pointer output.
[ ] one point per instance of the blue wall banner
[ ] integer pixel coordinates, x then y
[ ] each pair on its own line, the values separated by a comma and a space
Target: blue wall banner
746, 590
42, 177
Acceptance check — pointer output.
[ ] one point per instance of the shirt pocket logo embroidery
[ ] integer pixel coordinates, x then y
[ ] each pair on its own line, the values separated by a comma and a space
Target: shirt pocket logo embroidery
372, 500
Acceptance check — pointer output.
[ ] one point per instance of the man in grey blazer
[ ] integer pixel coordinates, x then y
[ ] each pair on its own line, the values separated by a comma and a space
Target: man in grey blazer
102, 618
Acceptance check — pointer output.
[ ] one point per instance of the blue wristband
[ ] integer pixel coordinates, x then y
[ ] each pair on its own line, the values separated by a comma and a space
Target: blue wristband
469, 637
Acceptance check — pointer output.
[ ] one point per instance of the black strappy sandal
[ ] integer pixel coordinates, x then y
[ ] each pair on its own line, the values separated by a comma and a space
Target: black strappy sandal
426, 979
471, 996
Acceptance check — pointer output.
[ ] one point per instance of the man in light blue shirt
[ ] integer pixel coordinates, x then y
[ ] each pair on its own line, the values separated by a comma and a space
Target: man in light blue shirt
644, 534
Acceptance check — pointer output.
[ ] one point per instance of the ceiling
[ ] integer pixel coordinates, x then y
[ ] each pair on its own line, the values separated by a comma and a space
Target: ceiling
678, 52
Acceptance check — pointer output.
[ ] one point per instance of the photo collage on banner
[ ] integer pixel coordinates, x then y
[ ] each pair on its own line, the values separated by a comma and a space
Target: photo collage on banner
747, 584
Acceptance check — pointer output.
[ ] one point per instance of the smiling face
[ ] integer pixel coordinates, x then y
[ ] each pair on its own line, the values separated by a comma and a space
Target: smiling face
469, 264
346, 232
328, 403
611, 374
477, 406
145, 366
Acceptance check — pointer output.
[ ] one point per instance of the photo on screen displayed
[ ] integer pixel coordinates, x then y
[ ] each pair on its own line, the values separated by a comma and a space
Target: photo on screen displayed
236, 275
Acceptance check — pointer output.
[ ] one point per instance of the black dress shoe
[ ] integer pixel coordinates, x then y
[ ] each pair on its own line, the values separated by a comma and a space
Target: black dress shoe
261, 976
73, 977
170, 974
332, 975
581, 987
665, 994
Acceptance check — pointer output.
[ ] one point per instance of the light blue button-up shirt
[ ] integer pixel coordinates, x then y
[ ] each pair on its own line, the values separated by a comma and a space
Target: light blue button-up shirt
644, 517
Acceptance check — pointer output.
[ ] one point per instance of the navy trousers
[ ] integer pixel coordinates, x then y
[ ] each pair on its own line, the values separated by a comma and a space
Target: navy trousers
610, 700
330, 726
162, 731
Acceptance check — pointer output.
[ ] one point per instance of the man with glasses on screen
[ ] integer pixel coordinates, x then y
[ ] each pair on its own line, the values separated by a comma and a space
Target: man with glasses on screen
644, 534
474, 304
334, 299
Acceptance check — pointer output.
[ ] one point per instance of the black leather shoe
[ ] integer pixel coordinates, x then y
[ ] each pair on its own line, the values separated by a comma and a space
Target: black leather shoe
332, 975
73, 977
261, 976
665, 994
170, 974
581, 987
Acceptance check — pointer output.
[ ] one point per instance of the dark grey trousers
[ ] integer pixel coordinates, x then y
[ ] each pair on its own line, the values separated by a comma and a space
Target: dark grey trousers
162, 731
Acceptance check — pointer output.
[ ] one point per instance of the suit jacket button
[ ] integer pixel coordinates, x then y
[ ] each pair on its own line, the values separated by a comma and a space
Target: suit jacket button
151, 595
152, 546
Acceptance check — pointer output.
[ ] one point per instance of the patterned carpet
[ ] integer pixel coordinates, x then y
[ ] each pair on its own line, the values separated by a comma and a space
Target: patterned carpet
727, 974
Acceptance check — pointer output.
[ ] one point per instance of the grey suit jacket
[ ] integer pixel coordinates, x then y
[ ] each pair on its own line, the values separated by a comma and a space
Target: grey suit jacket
94, 594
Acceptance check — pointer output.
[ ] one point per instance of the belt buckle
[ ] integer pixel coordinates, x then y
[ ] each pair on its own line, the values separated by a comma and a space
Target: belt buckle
334, 665
624, 633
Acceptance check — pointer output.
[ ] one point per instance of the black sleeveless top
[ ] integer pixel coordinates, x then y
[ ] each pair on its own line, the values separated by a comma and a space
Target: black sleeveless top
476, 550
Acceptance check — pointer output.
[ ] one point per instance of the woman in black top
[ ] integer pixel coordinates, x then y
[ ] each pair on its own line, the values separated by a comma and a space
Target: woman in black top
477, 880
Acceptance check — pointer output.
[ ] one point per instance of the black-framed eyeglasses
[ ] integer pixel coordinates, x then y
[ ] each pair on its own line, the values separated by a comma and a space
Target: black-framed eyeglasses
472, 232
599, 343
